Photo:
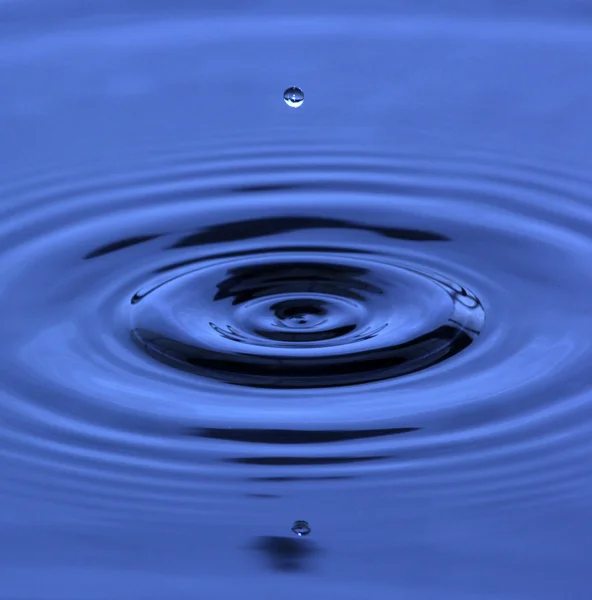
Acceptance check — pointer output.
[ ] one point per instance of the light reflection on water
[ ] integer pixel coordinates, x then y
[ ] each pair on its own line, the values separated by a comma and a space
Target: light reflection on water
222, 316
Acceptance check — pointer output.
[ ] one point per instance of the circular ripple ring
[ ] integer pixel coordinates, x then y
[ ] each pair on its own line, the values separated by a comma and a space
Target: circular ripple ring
214, 301
279, 321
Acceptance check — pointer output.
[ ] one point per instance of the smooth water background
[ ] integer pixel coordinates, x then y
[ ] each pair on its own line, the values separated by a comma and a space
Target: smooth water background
147, 144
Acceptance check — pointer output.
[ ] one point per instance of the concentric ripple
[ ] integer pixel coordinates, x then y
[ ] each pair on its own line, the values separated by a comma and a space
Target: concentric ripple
304, 319
216, 320
283, 302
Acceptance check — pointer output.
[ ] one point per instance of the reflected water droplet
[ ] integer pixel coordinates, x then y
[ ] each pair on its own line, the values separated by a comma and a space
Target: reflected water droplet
294, 97
301, 528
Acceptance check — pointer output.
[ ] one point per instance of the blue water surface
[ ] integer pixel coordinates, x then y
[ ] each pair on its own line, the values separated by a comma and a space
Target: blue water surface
339, 351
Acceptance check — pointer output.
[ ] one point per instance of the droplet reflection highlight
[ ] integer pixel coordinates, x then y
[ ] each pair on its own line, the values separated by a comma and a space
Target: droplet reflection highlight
294, 97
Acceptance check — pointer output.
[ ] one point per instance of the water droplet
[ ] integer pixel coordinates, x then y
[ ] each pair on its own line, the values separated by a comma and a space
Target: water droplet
294, 97
300, 528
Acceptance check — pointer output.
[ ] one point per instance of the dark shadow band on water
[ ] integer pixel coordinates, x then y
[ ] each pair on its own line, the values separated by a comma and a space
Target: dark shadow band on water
288, 461
284, 554
120, 245
260, 371
293, 436
255, 228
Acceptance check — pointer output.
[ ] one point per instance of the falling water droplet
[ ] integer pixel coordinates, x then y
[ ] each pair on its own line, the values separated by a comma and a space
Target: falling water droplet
300, 528
294, 97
